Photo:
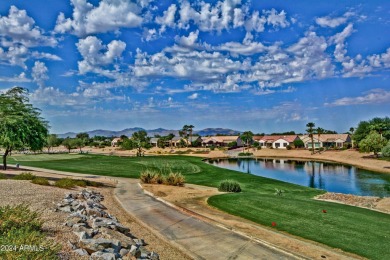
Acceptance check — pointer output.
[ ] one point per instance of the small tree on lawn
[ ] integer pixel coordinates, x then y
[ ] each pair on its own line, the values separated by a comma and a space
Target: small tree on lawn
21, 124
373, 142
310, 130
52, 141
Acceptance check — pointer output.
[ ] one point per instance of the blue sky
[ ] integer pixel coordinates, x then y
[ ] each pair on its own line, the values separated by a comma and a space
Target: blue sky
264, 66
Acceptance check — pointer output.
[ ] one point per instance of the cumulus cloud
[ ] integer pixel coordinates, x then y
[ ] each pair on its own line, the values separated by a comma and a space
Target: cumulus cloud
19, 28
375, 96
96, 55
39, 73
168, 18
109, 15
17, 78
330, 22
18, 33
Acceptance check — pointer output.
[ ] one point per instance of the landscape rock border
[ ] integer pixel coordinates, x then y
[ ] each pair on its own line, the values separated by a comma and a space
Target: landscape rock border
100, 235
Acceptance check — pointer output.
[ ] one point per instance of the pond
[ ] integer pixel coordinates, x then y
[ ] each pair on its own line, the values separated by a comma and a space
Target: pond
331, 177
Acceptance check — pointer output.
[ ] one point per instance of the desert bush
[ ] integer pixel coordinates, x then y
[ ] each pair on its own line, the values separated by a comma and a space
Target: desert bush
229, 186
24, 176
93, 183
175, 179
40, 181
20, 227
148, 176
2, 176
245, 154
65, 183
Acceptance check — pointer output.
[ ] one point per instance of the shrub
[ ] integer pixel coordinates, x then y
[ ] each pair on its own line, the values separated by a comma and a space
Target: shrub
24, 176
20, 227
2, 176
65, 183
386, 151
148, 176
288, 147
229, 186
175, 179
245, 154
212, 148
93, 183
40, 181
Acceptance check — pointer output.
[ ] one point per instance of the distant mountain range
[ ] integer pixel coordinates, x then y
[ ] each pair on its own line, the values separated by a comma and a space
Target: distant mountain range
153, 132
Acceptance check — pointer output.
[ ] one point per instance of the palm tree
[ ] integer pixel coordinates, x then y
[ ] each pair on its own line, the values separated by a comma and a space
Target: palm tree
246, 137
319, 132
310, 131
352, 130
184, 132
190, 128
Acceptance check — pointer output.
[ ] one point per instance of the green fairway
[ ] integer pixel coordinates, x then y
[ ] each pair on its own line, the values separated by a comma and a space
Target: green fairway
356, 230
45, 157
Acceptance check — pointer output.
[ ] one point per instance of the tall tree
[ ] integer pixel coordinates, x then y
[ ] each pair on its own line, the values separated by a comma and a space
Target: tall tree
310, 130
190, 130
21, 124
247, 137
351, 130
374, 142
184, 133
320, 131
51, 141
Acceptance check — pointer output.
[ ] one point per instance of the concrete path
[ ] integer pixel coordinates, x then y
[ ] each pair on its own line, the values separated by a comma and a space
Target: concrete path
199, 239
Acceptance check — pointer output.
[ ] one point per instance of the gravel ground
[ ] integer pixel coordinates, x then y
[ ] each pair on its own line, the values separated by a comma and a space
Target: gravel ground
44, 198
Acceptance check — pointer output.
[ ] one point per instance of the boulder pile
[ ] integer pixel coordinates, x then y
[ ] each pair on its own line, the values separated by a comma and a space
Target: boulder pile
100, 235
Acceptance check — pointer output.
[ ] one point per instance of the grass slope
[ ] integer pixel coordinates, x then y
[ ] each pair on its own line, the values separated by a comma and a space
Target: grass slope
356, 230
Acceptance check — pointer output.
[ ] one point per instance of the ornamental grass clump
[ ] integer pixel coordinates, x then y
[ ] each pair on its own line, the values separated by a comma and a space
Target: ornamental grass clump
175, 179
229, 186
40, 181
148, 176
65, 183
2, 176
24, 176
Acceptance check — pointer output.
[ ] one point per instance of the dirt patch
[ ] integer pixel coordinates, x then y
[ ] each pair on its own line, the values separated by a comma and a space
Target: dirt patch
193, 200
373, 203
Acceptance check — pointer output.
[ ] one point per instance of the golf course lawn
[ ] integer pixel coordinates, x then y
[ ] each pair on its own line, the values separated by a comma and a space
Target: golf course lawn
356, 230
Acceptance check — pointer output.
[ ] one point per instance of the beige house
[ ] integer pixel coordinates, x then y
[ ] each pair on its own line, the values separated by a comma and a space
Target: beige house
327, 140
116, 141
221, 140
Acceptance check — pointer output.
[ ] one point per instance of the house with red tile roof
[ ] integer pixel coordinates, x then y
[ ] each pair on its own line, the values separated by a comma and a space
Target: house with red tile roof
221, 140
277, 141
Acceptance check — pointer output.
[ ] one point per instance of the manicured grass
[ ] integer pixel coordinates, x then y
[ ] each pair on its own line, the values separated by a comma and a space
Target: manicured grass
356, 230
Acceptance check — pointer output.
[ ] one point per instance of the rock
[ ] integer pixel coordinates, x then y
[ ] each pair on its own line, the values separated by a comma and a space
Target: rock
81, 252
73, 220
65, 208
109, 223
103, 256
126, 241
154, 256
140, 242
96, 212
71, 245
82, 235
93, 245
135, 251
89, 231
123, 252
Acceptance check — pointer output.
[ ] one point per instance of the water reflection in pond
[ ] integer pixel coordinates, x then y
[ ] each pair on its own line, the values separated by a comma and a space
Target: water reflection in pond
321, 175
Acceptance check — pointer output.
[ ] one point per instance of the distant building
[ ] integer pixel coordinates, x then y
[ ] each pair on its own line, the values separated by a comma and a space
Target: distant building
221, 141
276, 141
327, 140
115, 142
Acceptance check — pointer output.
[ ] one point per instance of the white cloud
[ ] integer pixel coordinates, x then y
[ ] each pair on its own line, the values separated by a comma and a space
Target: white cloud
17, 78
339, 40
19, 28
193, 96
375, 96
96, 55
168, 18
330, 22
109, 15
39, 73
